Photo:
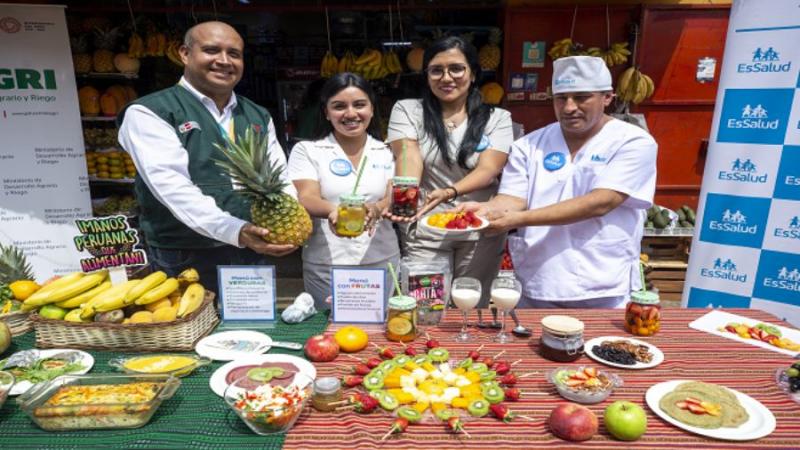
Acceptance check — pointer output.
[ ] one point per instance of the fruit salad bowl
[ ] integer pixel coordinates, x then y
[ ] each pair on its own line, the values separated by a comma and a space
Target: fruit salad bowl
453, 224
582, 384
272, 404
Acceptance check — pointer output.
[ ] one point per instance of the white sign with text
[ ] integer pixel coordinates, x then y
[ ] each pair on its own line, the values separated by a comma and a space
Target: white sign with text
247, 293
358, 295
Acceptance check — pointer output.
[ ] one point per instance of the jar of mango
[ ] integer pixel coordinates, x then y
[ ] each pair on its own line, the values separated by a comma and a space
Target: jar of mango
351, 215
643, 313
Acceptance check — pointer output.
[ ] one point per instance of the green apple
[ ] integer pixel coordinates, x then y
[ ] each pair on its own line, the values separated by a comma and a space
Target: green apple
625, 421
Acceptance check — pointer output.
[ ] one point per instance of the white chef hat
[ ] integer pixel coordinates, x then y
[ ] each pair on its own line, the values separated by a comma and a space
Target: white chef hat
580, 74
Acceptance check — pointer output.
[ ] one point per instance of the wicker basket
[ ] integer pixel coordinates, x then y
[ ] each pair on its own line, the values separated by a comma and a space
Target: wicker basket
18, 322
178, 335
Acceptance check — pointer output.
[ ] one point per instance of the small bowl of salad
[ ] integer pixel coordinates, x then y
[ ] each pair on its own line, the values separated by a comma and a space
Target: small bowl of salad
270, 404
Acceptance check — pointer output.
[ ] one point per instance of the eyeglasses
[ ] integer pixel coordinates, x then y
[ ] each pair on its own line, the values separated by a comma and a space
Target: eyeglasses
456, 71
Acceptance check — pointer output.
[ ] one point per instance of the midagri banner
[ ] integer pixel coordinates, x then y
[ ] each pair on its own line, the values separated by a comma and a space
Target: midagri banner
746, 250
42, 162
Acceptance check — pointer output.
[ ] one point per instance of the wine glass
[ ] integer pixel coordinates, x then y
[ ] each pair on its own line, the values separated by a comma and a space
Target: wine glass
466, 293
505, 292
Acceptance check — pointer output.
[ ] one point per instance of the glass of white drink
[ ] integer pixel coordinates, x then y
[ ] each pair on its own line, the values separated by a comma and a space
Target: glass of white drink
466, 293
505, 292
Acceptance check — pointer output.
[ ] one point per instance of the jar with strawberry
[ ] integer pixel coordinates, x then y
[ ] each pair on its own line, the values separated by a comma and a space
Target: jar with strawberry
643, 313
405, 196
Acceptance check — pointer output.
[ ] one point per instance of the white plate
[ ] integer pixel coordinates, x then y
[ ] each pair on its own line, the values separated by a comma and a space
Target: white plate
716, 319
87, 360
214, 346
658, 355
760, 424
423, 222
218, 383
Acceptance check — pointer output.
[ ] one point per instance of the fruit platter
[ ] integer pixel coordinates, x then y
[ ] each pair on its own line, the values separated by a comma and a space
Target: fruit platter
448, 223
744, 329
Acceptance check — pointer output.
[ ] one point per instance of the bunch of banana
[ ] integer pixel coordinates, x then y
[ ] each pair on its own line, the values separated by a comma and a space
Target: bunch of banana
329, 65
64, 288
346, 62
155, 44
135, 46
172, 52
392, 62
562, 48
368, 65
634, 86
615, 55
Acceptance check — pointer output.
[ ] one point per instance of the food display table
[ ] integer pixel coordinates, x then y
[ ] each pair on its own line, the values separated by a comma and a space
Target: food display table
196, 418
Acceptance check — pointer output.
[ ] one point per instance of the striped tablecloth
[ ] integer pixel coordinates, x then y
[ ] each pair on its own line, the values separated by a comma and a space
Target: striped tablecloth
689, 354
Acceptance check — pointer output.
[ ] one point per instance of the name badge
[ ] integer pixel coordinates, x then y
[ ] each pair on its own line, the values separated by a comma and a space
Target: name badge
483, 144
188, 126
554, 161
341, 167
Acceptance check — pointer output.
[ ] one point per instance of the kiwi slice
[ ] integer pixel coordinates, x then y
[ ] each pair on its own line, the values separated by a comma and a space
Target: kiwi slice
409, 413
372, 382
465, 363
401, 360
489, 383
439, 354
478, 408
493, 394
421, 359
388, 401
279, 373
387, 366
445, 414
488, 375
377, 372
479, 367
263, 374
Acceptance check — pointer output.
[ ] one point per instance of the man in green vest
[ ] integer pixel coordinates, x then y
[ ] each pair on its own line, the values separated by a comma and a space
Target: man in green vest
191, 215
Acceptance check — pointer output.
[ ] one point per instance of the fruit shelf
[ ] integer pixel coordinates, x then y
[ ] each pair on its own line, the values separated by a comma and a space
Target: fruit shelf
676, 231
108, 76
98, 118
111, 180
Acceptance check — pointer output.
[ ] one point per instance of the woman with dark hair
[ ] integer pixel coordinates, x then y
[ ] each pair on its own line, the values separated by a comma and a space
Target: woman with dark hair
456, 145
325, 169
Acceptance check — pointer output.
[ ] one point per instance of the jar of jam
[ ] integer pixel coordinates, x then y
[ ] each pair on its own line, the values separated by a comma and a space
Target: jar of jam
401, 321
562, 338
405, 196
351, 215
327, 390
643, 313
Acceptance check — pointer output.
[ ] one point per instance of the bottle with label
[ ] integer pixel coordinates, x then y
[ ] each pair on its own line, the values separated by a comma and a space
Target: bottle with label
562, 338
405, 196
352, 215
401, 320
643, 313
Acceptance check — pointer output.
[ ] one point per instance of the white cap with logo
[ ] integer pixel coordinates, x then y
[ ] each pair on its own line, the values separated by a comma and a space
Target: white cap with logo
580, 74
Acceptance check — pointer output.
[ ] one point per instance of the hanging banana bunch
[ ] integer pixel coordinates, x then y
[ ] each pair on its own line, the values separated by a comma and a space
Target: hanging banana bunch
329, 66
634, 86
562, 48
368, 64
135, 46
392, 62
613, 56
346, 62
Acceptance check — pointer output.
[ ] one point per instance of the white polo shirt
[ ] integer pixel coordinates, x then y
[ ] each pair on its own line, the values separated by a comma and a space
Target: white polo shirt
324, 161
597, 257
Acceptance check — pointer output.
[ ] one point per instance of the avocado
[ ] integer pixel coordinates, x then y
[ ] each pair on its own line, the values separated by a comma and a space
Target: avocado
681, 215
690, 216
660, 221
649, 224
685, 224
665, 212
651, 211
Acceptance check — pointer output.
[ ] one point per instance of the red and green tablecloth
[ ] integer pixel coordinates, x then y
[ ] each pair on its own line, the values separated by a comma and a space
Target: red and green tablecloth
196, 418
689, 354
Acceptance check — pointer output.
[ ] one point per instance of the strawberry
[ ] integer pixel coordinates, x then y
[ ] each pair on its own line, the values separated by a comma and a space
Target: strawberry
502, 367
508, 379
470, 215
398, 426
754, 333
361, 369
730, 329
450, 225
696, 409
373, 363
693, 400
410, 351
385, 352
352, 380
476, 222
474, 354
431, 343
512, 394
501, 412
455, 424
364, 403
682, 405
489, 361
579, 376
411, 194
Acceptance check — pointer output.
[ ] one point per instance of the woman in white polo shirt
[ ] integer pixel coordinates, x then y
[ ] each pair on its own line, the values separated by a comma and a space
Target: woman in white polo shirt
324, 169
457, 146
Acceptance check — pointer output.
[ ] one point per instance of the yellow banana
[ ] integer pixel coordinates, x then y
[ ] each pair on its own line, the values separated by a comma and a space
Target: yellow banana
74, 316
191, 300
189, 275
369, 57
113, 298
342, 66
57, 283
80, 299
147, 283
622, 83
651, 88
66, 291
169, 286
594, 51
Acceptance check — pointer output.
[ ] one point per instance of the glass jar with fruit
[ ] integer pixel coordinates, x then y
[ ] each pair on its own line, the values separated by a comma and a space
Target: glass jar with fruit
405, 196
643, 313
401, 320
351, 215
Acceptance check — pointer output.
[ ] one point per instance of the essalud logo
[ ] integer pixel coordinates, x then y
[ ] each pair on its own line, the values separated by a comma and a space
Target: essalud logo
764, 61
786, 279
754, 118
742, 171
792, 231
724, 270
733, 223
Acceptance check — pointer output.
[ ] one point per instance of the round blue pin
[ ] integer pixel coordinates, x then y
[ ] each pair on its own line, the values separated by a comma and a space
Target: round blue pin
483, 144
554, 161
341, 167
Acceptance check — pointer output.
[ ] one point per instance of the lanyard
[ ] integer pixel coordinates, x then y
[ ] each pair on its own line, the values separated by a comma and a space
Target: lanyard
228, 135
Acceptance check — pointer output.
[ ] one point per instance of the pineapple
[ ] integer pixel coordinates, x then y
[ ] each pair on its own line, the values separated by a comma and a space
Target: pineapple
103, 61
251, 169
79, 44
489, 54
106, 38
82, 62
13, 265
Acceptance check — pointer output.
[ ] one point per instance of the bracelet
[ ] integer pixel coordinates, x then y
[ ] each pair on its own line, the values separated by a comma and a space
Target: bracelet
455, 192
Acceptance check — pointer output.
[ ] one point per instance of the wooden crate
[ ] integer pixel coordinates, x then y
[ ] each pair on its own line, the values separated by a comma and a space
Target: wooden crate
667, 248
668, 257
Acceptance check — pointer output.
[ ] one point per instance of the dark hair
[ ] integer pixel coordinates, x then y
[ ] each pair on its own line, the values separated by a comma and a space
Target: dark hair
477, 112
333, 86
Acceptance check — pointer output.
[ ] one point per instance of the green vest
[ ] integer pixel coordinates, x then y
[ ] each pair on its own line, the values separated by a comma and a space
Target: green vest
198, 132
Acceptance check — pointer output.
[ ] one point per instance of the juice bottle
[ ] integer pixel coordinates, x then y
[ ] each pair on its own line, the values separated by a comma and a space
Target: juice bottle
401, 320
405, 196
352, 215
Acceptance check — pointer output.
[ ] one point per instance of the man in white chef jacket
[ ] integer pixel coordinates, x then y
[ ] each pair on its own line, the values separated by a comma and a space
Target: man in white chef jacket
576, 190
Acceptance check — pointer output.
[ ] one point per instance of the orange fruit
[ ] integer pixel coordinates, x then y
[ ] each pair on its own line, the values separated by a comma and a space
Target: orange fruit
351, 339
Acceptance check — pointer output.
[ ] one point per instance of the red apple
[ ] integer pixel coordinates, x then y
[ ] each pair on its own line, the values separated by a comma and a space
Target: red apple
321, 348
572, 422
